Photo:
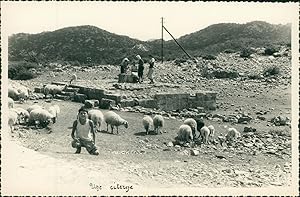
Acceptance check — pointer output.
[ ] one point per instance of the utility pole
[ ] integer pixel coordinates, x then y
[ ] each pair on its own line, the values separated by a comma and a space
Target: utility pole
162, 40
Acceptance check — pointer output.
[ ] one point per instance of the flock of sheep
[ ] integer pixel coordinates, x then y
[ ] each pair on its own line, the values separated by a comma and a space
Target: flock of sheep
40, 116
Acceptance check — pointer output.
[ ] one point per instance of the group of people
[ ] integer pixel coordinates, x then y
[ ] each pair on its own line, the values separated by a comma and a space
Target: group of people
140, 70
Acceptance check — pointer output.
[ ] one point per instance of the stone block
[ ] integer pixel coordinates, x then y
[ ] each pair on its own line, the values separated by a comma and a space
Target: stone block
129, 103
79, 98
127, 78
106, 103
39, 90
69, 89
147, 103
91, 103
115, 97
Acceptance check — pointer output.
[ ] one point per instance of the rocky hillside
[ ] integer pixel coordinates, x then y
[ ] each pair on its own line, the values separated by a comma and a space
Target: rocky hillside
85, 44
89, 44
230, 36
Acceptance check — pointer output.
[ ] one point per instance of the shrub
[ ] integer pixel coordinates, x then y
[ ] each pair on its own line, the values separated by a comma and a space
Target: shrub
229, 51
21, 70
209, 57
270, 51
245, 53
273, 70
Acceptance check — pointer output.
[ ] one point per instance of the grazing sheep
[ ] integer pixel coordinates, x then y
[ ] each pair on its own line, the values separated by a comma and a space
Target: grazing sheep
12, 119
53, 89
18, 92
10, 103
23, 93
73, 78
185, 133
113, 119
40, 117
147, 122
193, 124
206, 132
54, 110
32, 107
232, 134
23, 115
97, 117
211, 132
200, 123
13, 93
158, 122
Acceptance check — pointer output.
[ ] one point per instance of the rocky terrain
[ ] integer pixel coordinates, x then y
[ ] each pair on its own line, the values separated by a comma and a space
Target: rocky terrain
256, 104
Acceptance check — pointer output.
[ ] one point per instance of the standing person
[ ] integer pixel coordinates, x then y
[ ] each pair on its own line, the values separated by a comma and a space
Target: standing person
140, 68
83, 133
151, 67
124, 65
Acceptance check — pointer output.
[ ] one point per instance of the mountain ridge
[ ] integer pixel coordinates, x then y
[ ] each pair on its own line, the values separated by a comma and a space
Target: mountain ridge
91, 44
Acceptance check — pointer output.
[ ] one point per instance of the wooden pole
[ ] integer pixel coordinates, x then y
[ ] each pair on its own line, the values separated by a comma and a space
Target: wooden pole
178, 43
162, 40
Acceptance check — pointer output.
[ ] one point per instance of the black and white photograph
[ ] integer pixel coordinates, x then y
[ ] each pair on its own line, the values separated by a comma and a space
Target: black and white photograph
149, 98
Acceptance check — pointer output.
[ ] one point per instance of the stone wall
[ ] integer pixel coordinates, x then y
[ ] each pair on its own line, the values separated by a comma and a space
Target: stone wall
163, 101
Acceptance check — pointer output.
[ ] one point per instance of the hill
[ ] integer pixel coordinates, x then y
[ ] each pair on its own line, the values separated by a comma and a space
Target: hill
85, 44
219, 37
90, 44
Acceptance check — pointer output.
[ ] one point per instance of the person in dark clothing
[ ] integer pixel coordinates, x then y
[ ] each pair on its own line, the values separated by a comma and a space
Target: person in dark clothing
140, 68
151, 67
124, 65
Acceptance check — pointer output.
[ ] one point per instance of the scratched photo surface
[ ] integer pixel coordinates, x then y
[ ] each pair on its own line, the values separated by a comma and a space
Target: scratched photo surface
151, 98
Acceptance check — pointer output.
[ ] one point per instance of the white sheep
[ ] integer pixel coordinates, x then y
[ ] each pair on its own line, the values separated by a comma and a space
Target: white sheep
232, 134
10, 103
147, 123
193, 124
40, 117
158, 123
12, 119
23, 93
13, 93
53, 89
211, 132
97, 117
205, 133
113, 119
23, 115
73, 78
18, 92
54, 110
32, 107
185, 133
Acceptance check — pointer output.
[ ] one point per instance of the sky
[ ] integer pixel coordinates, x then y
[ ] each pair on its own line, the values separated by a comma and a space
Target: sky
140, 20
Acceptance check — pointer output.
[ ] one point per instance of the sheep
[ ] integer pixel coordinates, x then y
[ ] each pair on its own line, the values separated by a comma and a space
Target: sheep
23, 93
113, 119
97, 117
212, 132
12, 119
54, 110
13, 93
40, 117
193, 124
206, 132
18, 92
158, 122
73, 78
22, 114
185, 133
53, 89
147, 123
232, 134
32, 107
10, 103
